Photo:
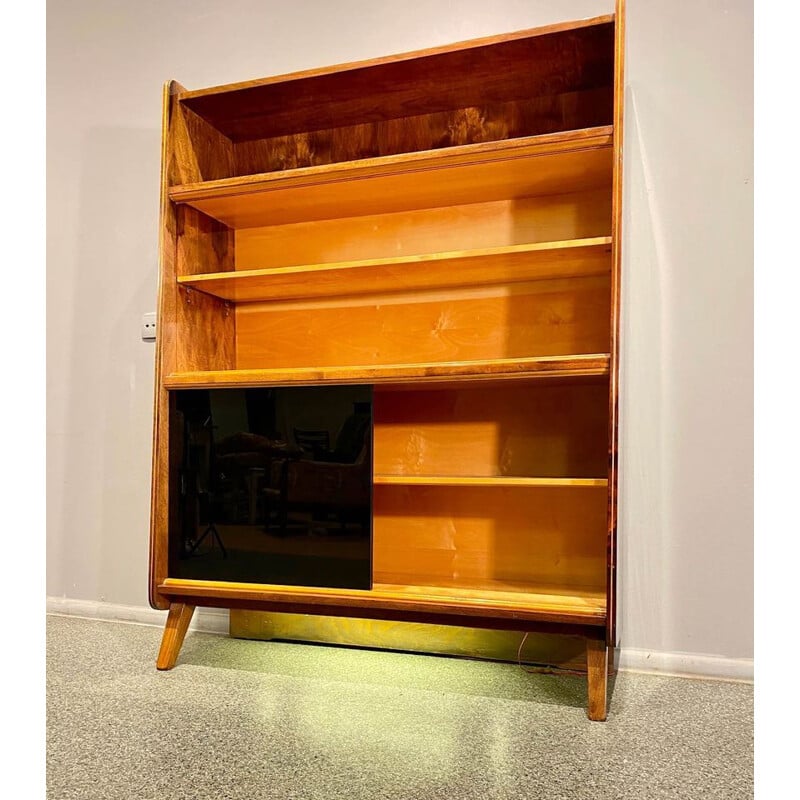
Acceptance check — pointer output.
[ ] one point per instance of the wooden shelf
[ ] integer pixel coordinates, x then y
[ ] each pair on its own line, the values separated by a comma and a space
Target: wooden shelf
595, 364
491, 480
537, 261
516, 601
555, 163
543, 598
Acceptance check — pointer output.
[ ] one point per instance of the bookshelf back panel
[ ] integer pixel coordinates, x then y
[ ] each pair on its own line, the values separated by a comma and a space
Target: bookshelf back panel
558, 317
569, 110
454, 228
496, 430
539, 67
446, 535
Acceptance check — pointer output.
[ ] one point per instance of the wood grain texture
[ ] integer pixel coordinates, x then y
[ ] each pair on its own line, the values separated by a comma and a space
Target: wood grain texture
569, 110
165, 362
515, 263
505, 68
430, 535
180, 615
506, 429
538, 165
205, 325
567, 25
597, 678
518, 609
524, 369
543, 318
504, 223
203, 244
193, 333
488, 481
197, 150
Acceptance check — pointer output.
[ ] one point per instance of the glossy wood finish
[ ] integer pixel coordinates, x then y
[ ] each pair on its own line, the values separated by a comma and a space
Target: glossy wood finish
489, 480
164, 363
178, 619
506, 321
474, 226
428, 535
533, 63
597, 678
457, 604
539, 431
546, 598
525, 369
523, 262
197, 150
540, 165
489, 122
195, 330
616, 275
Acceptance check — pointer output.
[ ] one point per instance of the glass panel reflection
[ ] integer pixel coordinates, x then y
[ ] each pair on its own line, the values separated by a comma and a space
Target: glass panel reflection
272, 485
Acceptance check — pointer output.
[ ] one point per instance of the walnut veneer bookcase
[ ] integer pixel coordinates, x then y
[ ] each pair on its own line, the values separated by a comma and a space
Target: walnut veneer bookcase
443, 226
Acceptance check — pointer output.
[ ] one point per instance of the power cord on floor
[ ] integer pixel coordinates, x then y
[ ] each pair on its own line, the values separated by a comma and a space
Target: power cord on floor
519, 657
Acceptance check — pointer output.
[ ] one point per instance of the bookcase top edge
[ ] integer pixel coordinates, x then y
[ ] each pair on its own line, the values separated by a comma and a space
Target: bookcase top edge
184, 95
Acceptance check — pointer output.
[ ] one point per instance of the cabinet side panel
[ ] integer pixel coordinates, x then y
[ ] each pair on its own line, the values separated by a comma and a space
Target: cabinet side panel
165, 361
195, 331
205, 325
616, 270
200, 151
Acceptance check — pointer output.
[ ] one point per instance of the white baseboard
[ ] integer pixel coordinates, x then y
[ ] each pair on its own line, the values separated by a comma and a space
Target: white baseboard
686, 665
215, 620
206, 620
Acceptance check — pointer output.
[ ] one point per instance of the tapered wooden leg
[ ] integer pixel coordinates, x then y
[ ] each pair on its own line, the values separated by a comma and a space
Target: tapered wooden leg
597, 677
178, 619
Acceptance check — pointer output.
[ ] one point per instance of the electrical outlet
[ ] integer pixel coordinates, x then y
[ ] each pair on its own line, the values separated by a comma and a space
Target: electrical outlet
149, 326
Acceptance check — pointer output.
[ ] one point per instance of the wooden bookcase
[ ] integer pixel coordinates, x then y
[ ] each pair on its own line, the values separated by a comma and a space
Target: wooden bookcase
445, 226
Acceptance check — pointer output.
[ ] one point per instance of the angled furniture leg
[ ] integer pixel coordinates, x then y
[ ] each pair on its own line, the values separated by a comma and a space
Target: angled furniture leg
178, 619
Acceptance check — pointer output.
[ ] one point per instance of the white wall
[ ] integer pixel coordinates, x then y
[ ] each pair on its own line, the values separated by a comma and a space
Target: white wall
686, 480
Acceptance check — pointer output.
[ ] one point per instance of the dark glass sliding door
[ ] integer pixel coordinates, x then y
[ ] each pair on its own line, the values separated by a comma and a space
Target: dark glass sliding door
272, 485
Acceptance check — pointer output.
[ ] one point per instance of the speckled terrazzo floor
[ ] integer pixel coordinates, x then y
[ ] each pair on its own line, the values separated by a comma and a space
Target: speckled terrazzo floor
238, 719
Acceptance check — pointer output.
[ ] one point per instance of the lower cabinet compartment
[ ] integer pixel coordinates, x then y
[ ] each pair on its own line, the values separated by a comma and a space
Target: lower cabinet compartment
490, 493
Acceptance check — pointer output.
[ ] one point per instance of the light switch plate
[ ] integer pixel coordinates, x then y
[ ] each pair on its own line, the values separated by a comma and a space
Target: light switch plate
149, 326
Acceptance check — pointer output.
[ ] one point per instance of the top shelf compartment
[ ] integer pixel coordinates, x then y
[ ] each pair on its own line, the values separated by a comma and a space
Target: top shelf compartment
502, 88
503, 170
552, 75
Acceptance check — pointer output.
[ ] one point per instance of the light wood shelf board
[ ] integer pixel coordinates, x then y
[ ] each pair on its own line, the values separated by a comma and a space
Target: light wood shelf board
495, 265
579, 605
532, 595
503, 170
594, 364
498, 480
